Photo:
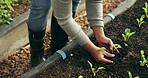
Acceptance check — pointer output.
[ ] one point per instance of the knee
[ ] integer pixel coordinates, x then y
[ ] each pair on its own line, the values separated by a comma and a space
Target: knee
38, 6
45, 8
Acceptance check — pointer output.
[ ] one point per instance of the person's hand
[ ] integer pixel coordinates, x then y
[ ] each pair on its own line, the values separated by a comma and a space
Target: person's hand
101, 38
99, 56
105, 42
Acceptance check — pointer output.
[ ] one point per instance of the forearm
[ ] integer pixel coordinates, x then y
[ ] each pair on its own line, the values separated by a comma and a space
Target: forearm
63, 13
98, 31
90, 47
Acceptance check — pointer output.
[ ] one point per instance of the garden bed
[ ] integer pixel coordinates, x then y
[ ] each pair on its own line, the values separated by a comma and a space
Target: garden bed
77, 64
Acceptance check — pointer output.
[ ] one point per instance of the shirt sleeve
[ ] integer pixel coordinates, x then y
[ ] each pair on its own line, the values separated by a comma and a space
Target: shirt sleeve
63, 13
94, 9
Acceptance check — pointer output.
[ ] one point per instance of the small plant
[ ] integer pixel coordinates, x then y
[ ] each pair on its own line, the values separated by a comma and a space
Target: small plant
130, 75
127, 34
5, 12
143, 61
102, 48
140, 21
115, 47
5, 17
81, 76
6, 8
93, 70
146, 9
23, 1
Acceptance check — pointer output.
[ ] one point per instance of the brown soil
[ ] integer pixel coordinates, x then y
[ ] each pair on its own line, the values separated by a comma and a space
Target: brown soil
76, 64
20, 8
128, 60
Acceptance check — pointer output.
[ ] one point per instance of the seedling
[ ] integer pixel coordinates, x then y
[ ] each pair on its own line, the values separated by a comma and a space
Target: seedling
81, 76
143, 61
102, 48
5, 11
93, 70
140, 21
130, 75
115, 46
127, 34
146, 9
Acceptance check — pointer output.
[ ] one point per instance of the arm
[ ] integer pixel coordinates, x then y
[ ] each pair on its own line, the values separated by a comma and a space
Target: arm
94, 10
62, 11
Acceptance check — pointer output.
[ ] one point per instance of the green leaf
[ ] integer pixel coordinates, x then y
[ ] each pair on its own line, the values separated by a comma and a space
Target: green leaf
130, 34
127, 30
142, 16
101, 68
129, 74
124, 37
146, 9
137, 77
102, 48
138, 20
117, 46
125, 44
81, 76
92, 69
143, 60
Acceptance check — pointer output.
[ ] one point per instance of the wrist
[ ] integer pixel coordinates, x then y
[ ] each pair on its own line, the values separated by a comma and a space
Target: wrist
98, 31
89, 46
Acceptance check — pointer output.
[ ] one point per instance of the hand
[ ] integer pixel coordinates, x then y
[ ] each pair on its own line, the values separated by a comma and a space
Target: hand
105, 42
99, 56
101, 38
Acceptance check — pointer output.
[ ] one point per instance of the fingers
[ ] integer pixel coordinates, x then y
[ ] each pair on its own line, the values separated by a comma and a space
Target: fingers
108, 54
107, 61
110, 45
102, 59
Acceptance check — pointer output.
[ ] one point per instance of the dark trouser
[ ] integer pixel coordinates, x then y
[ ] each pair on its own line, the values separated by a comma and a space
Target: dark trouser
37, 22
59, 36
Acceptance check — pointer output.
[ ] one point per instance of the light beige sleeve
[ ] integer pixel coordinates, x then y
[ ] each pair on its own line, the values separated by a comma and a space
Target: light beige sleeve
94, 9
63, 13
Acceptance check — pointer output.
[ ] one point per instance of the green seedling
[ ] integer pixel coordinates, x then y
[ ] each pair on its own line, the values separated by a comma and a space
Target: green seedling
81, 76
6, 7
102, 48
126, 35
143, 61
140, 21
130, 75
93, 70
115, 46
146, 9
